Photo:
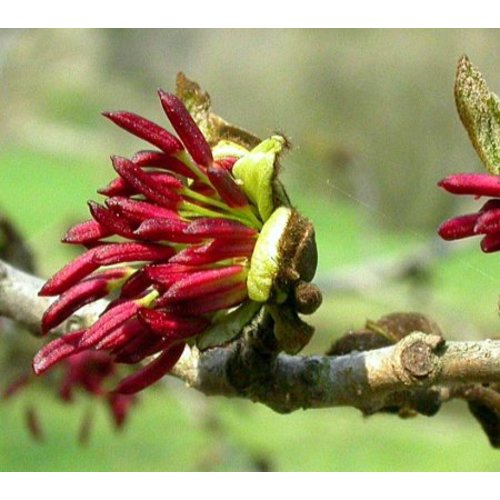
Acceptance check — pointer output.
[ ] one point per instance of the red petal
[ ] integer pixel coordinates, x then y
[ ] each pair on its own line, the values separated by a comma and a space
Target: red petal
121, 335
73, 299
474, 184
111, 221
203, 188
137, 211
491, 243
165, 275
488, 222
226, 186
458, 227
57, 350
135, 285
152, 372
203, 283
146, 130
117, 187
161, 160
116, 253
140, 348
85, 232
171, 326
160, 192
120, 187
130, 351
222, 299
110, 320
172, 230
220, 229
490, 205
214, 252
120, 405
72, 273
186, 128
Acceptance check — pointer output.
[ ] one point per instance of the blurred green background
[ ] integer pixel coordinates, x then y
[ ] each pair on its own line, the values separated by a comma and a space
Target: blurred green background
371, 117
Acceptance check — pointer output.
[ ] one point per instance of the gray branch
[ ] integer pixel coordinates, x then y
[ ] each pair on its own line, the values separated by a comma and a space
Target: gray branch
419, 367
418, 371
20, 302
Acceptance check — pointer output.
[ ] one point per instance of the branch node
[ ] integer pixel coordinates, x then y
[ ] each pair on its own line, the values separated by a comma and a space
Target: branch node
415, 360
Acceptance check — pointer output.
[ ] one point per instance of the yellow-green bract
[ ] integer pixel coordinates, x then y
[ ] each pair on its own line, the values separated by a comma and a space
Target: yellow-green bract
265, 265
256, 171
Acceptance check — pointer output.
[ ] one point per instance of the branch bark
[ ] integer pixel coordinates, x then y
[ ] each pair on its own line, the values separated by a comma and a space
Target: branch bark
419, 372
417, 368
20, 302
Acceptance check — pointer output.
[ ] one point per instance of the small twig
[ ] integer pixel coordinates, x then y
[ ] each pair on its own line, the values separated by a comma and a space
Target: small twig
372, 380
482, 395
368, 380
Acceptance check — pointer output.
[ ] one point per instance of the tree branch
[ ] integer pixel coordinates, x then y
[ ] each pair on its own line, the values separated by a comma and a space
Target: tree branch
20, 302
419, 372
418, 367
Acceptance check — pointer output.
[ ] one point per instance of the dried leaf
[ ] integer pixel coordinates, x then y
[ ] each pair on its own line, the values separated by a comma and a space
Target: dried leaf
489, 418
395, 326
292, 334
213, 127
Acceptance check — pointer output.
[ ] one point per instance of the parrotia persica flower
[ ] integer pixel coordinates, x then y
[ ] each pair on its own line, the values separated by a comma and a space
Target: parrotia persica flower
486, 221
193, 238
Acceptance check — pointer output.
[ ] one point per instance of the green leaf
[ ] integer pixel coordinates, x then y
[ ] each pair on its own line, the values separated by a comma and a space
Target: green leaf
266, 258
229, 326
479, 110
257, 171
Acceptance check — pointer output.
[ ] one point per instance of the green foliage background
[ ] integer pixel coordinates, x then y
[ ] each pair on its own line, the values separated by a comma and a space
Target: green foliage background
371, 116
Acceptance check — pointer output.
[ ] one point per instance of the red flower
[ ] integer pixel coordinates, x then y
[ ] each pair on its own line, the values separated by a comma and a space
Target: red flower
170, 247
486, 221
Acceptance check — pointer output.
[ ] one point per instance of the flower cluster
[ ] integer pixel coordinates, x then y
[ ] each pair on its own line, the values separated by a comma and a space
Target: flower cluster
170, 249
486, 221
87, 372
